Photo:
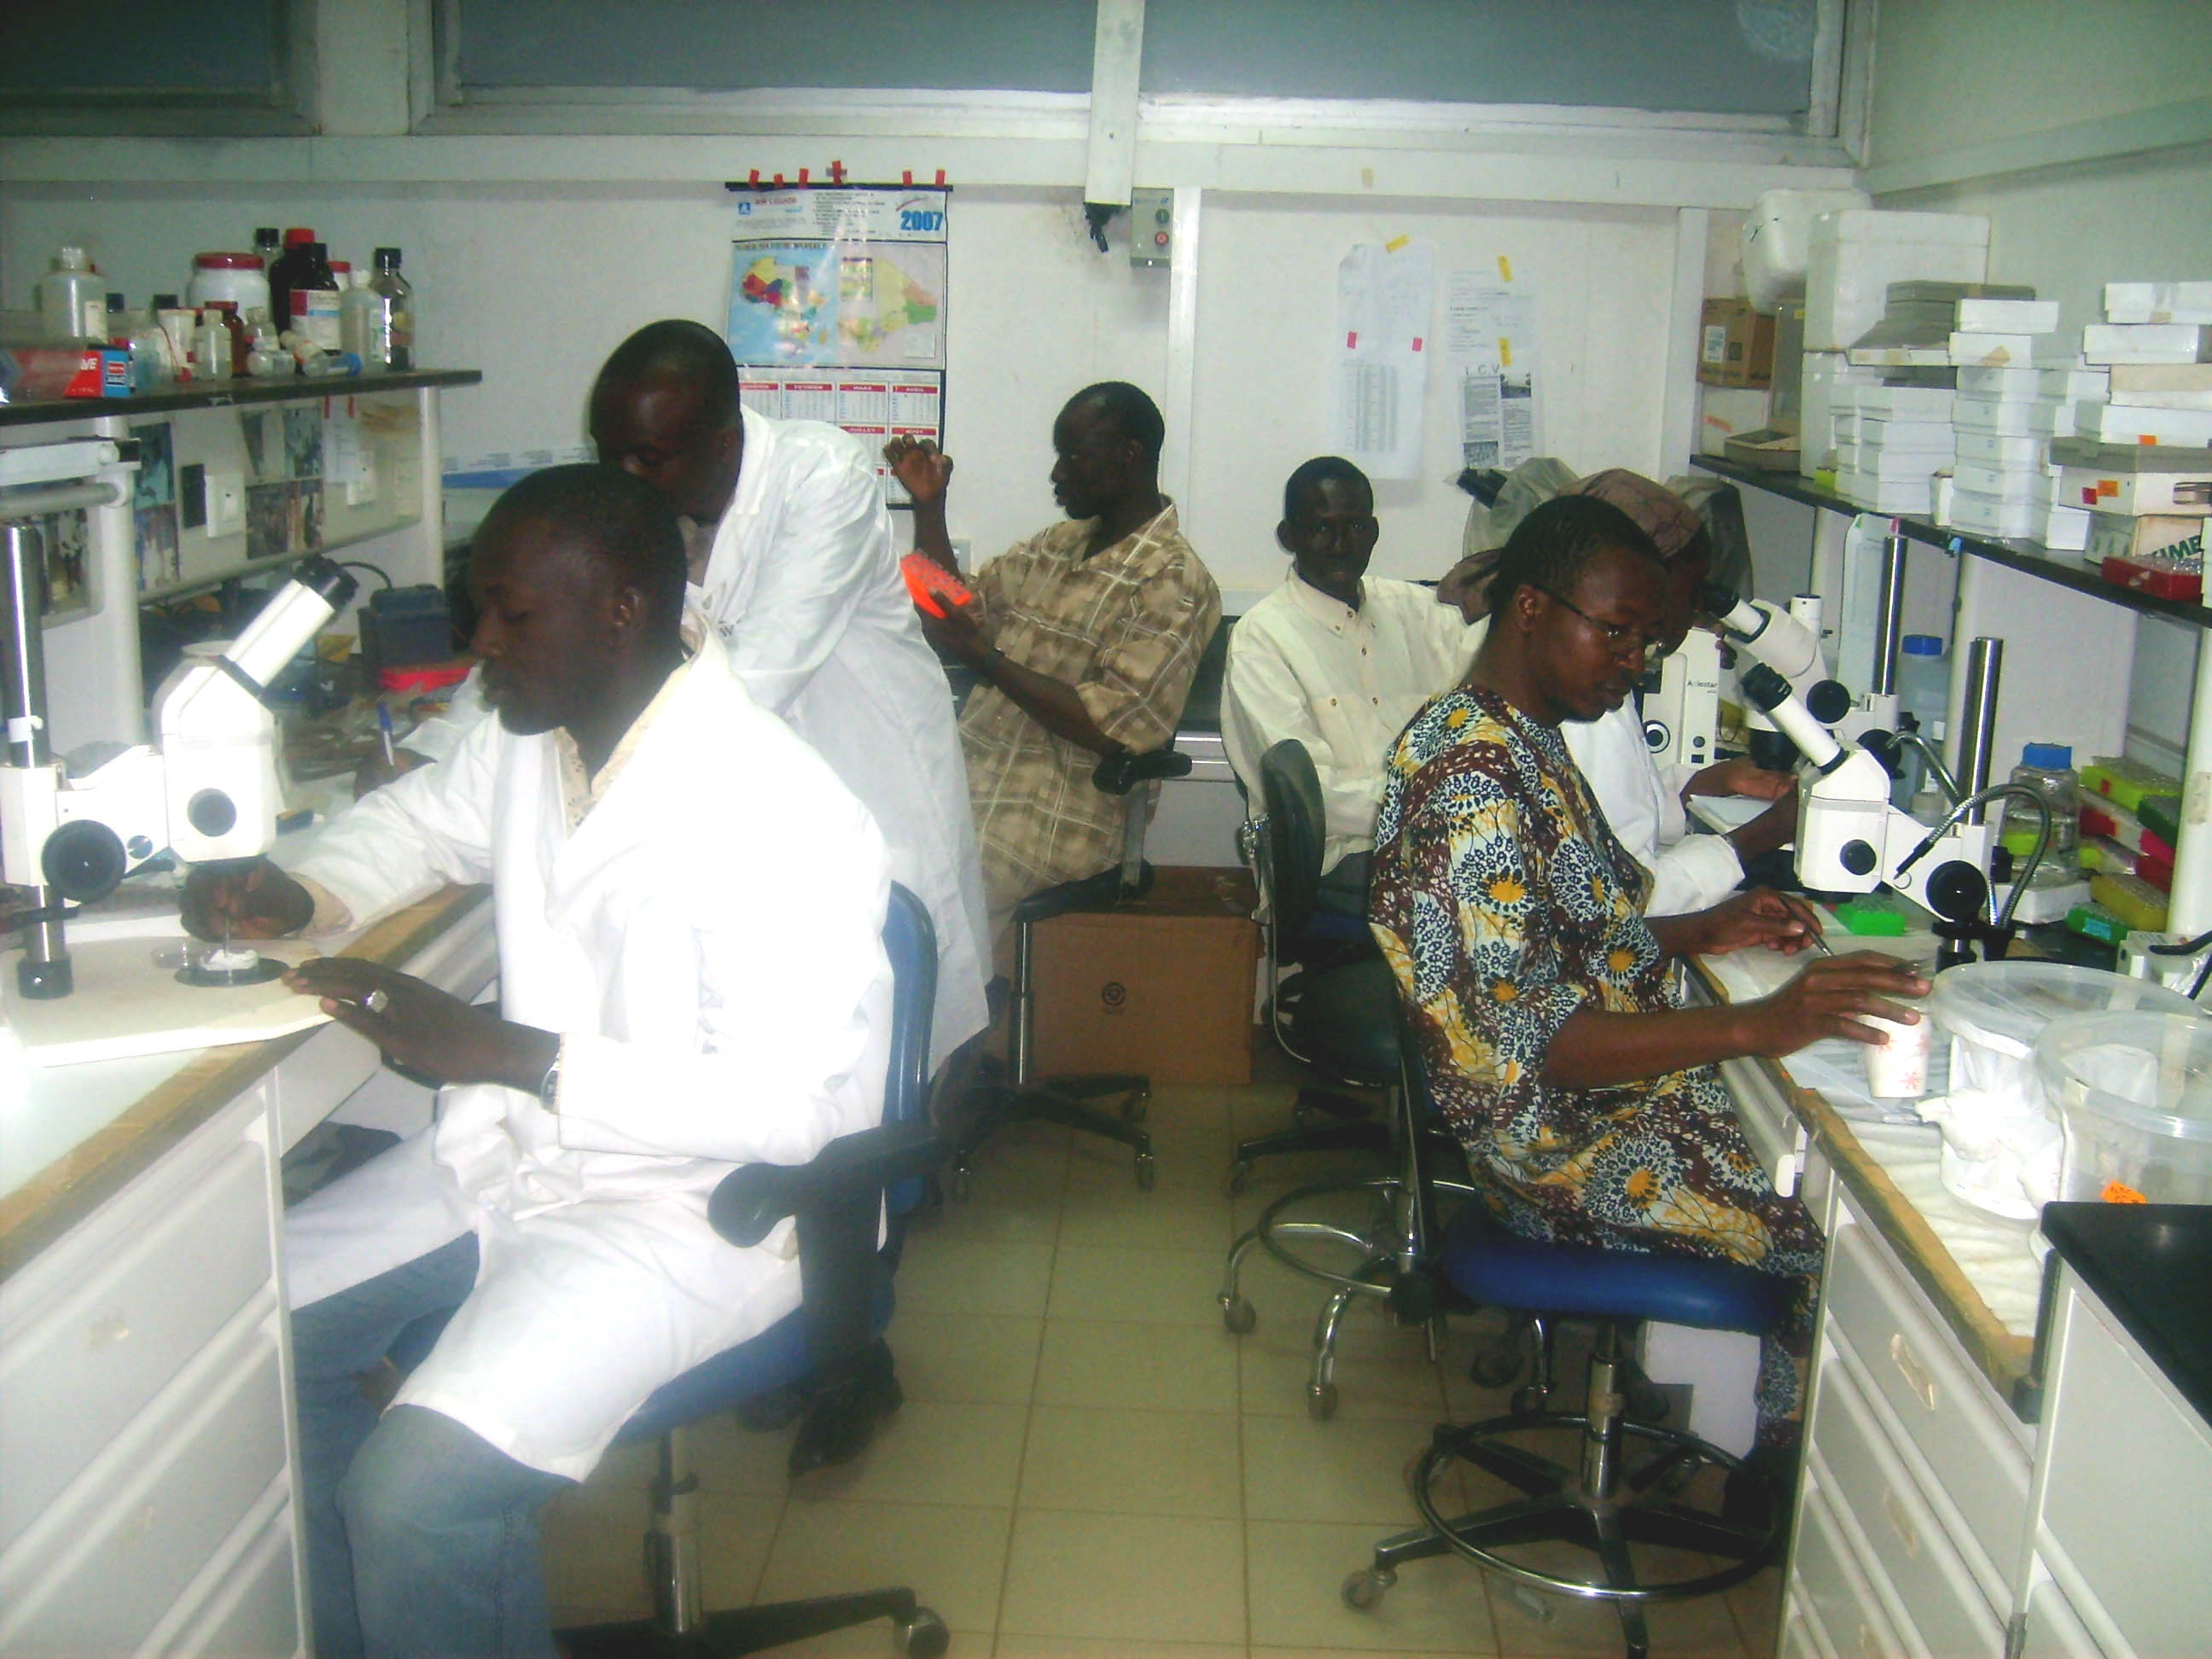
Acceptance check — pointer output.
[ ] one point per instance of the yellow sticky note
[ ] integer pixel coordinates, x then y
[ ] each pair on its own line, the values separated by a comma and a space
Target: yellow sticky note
1395, 243
1505, 267
1504, 352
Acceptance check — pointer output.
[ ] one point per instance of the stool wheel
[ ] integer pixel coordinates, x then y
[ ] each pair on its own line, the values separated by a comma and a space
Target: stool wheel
1133, 1108
1363, 1590
923, 1637
1528, 1401
962, 1184
1239, 1173
1321, 1402
1238, 1316
1146, 1172
1498, 1364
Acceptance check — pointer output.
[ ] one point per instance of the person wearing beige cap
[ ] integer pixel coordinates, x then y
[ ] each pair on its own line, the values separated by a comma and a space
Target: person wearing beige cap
1644, 802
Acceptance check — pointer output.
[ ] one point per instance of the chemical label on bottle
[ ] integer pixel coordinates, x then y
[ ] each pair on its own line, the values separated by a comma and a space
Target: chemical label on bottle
315, 316
400, 346
95, 318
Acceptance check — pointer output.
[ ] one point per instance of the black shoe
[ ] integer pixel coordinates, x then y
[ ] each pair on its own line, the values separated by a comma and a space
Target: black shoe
841, 1417
777, 1410
1761, 1494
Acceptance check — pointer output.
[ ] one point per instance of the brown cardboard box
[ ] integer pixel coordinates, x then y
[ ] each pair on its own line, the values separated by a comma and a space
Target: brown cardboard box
1161, 984
1735, 344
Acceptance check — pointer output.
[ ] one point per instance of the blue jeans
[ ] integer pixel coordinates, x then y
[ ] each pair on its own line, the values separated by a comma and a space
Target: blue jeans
421, 1539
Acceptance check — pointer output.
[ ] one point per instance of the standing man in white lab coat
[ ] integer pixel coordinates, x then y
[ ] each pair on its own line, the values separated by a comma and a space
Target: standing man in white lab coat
1339, 661
792, 561
689, 906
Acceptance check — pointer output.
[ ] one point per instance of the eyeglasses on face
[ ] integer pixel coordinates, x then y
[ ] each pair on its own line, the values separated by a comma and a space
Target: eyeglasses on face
1629, 644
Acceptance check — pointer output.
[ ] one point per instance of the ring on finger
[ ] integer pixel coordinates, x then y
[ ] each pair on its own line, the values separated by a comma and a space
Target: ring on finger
376, 1001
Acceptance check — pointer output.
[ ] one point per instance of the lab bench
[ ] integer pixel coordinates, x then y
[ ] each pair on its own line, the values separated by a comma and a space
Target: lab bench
1998, 1457
148, 1464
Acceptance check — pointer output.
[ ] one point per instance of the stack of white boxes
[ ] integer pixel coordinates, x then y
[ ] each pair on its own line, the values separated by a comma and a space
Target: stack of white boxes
1890, 442
2147, 495
1852, 258
2014, 396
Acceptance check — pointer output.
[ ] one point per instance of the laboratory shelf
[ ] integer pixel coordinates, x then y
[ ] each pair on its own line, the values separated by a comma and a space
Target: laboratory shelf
2031, 558
227, 394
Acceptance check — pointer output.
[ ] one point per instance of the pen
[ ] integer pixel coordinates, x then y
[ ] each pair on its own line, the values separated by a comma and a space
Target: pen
384, 728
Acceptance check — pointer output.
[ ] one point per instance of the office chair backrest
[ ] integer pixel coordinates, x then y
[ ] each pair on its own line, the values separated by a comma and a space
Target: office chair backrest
910, 942
1292, 835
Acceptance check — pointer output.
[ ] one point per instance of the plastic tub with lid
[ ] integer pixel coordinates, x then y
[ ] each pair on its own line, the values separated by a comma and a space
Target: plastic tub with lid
2134, 1092
2001, 1133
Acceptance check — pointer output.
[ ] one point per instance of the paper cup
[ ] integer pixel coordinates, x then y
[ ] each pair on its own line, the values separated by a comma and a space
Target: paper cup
1898, 1069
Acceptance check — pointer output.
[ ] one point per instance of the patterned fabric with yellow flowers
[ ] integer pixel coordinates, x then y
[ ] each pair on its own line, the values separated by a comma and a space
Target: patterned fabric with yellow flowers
1503, 904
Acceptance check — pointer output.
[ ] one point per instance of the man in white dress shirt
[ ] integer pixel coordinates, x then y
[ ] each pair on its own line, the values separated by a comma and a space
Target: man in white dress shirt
1339, 660
1643, 801
792, 564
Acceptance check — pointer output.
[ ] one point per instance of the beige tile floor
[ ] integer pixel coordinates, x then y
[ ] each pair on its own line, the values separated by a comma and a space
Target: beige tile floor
1089, 1465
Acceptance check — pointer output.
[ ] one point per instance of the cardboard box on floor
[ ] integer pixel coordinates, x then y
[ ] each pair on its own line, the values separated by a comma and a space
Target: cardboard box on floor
1161, 984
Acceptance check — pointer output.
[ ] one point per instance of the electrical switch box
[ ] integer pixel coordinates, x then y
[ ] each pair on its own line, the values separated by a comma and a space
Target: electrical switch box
1151, 227
226, 503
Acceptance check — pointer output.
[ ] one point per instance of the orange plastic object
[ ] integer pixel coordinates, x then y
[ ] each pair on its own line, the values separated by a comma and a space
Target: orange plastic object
930, 582
429, 677
2118, 1192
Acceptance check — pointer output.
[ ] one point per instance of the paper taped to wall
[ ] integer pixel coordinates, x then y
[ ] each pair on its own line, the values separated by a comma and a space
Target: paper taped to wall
1384, 298
1491, 341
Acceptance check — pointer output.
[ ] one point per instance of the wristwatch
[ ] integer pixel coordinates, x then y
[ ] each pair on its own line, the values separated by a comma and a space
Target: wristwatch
548, 1088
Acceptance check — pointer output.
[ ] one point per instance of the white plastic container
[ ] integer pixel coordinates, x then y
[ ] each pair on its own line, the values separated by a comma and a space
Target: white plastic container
2134, 1094
1855, 254
1777, 237
1923, 691
2002, 1150
1897, 1068
72, 301
241, 278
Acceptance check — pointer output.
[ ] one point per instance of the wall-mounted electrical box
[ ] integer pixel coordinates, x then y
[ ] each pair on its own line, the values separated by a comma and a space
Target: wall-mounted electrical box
1151, 227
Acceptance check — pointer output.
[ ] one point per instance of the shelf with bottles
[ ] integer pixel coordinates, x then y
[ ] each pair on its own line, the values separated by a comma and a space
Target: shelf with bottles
2062, 569
220, 394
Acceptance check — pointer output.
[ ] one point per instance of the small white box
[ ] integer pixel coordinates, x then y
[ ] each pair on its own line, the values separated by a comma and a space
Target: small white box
1992, 350
2066, 529
1885, 431
1855, 254
2023, 385
1891, 466
2038, 418
1978, 448
2158, 302
2170, 429
1729, 411
1887, 495
2008, 316
1905, 402
2147, 343
1989, 517
2161, 399
2005, 484
1825, 384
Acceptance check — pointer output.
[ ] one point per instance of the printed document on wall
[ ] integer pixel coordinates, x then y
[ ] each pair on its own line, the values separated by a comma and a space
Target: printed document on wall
1384, 296
1491, 339
851, 277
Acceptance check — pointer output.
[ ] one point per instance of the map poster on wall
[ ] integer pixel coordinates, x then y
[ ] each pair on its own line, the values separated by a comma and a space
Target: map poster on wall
874, 404
838, 275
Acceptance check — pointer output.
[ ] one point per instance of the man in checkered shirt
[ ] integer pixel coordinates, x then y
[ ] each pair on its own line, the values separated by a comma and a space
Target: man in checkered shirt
1087, 636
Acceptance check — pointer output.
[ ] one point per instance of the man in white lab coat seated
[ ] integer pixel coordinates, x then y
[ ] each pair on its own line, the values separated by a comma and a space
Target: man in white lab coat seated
1645, 803
688, 906
1339, 660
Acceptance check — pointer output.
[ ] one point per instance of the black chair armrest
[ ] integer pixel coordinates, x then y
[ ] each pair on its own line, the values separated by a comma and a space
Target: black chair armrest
749, 1201
1117, 775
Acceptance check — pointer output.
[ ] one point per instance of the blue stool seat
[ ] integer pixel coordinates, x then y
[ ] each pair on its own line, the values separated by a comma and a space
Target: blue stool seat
1492, 1267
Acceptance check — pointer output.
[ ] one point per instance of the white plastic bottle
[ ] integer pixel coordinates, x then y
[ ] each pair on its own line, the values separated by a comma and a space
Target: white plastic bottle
1923, 691
2047, 768
72, 300
359, 312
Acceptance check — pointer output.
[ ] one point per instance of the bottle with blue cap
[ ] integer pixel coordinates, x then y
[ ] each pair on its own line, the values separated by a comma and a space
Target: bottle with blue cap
2047, 768
1923, 691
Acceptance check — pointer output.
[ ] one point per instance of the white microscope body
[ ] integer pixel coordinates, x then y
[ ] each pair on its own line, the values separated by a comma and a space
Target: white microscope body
1790, 644
1850, 838
207, 788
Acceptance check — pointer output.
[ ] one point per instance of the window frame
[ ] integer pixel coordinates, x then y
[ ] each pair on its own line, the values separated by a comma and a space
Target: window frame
289, 109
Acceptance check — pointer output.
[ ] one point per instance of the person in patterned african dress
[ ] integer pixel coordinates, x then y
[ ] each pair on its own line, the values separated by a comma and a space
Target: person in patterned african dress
1540, 993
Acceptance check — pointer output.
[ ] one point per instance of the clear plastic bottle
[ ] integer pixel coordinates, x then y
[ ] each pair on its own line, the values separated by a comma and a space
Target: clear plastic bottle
398, 311
266, 358
2047, 768
359, 308
1923, 691
71, 299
